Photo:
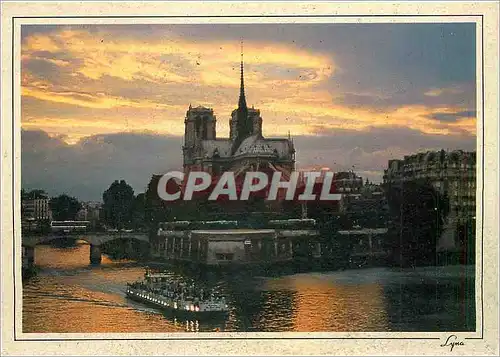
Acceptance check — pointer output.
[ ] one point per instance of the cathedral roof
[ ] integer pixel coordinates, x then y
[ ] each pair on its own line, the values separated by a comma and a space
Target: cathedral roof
256, 145
220, 147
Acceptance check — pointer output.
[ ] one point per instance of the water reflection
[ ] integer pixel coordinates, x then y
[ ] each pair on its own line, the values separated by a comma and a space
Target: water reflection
69, 295
324, 305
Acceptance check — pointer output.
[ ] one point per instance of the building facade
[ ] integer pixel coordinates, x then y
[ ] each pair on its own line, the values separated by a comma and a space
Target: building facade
452, 173
90, 211
347, 182
36, 209
245, 149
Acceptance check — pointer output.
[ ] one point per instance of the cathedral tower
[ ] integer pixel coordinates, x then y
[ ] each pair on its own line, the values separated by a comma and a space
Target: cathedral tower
199, 125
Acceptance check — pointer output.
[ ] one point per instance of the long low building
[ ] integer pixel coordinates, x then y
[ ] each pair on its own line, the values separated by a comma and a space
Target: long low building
218, 247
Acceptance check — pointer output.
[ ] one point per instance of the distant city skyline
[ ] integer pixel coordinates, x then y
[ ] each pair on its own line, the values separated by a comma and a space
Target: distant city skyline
106, 102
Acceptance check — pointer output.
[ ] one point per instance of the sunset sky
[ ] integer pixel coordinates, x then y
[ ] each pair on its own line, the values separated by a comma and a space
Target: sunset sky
105, 102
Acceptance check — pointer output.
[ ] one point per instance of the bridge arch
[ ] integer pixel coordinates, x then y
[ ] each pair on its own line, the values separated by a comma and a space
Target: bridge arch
95, 241
90, 238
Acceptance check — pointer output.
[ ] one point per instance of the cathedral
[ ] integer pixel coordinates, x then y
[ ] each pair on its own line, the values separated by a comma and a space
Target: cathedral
245, 150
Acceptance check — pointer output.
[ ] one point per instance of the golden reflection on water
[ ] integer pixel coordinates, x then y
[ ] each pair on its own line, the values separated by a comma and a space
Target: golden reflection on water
320, 304
73, 317
66, 257
70, 295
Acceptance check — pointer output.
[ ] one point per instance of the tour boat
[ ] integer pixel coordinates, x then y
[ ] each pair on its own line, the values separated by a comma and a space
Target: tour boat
159, 290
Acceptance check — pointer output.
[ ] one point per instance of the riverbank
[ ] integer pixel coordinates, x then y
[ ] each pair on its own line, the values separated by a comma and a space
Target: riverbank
451, 271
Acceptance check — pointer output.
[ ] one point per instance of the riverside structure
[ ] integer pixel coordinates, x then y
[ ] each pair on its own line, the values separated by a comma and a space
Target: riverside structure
224, 244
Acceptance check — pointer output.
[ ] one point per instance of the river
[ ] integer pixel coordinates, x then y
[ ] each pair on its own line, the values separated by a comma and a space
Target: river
69, 295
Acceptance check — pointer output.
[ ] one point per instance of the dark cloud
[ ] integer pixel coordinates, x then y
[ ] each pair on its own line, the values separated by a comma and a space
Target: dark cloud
89, 167
388, 57
63, 56
44, 69
377, 139
27, 30
33, 107
396, 58
451, 117
462, 95
367, 152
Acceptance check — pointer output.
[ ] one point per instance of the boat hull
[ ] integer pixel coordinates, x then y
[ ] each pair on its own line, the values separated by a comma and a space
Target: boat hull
172, 307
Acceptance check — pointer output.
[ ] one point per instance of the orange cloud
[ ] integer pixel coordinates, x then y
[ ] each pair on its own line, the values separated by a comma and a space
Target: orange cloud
98, 101
287, 84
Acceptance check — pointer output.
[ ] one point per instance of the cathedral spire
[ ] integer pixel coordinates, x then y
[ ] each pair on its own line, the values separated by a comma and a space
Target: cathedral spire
242, 103
244, 125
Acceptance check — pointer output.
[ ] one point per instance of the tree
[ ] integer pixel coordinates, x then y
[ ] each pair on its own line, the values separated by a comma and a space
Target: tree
64, 207
33, 194
158, 210
418, 211
118, 201
138, 211
155, 209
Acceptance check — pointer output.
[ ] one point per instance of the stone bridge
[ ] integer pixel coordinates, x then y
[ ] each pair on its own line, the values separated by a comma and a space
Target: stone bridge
94, 239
